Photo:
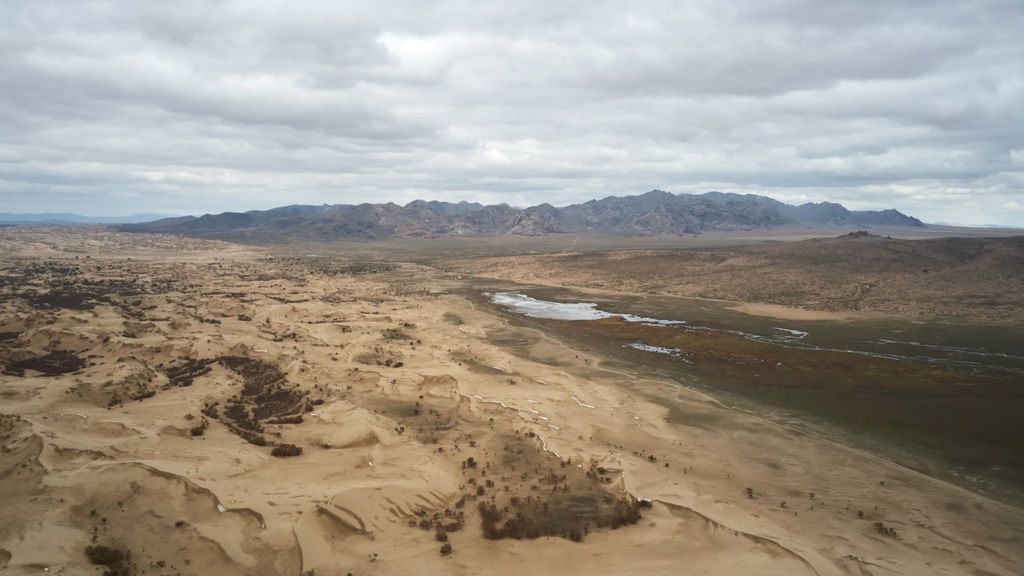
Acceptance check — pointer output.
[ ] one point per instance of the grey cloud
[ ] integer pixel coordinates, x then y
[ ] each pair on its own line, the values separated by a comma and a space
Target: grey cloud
120, 107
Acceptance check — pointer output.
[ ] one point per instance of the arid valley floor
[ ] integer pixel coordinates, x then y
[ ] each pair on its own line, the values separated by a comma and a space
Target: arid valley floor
179, 406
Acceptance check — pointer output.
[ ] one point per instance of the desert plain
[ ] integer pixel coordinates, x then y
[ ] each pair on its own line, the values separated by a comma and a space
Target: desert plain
182, 406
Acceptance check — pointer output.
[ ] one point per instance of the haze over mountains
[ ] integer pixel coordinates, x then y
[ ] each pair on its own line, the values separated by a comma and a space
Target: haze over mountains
68, 218
654, 213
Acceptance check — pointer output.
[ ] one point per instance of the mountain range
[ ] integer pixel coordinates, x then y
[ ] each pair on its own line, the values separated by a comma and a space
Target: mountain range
654, 213
8, 218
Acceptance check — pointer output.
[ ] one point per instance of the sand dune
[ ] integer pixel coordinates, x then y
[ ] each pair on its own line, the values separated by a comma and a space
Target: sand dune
415, 411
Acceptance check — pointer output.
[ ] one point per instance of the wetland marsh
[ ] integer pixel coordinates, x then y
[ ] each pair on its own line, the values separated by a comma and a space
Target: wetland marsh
942, 397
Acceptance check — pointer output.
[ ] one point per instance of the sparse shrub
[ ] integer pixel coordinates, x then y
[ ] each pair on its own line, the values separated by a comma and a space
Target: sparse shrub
201, 428
117, 562
285, 450
251, 437
144, 395
489, 518
104, 555
297, 419
885, 530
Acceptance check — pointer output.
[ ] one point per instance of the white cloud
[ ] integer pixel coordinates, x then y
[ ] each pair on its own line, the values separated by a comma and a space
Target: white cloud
195, 106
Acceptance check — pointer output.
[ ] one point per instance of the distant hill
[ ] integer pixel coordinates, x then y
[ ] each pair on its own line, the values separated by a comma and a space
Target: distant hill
654, 213
66, 218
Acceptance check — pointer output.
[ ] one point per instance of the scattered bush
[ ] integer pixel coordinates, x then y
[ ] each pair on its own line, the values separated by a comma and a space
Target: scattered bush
566, 516
285, 450
52, 364
885, 530
117, 562
144, 395
297, 419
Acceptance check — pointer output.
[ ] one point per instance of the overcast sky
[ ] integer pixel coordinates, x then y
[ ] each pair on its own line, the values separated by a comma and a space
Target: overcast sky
110, 108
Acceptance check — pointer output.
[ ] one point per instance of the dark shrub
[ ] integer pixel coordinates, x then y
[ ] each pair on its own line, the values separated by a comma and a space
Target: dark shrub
297, 419
117, 561
285, 450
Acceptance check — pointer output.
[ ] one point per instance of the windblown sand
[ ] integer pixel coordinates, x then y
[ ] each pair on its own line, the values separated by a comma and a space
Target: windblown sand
149, 381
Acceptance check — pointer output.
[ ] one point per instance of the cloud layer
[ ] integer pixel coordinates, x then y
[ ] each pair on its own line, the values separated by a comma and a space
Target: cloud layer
197, 106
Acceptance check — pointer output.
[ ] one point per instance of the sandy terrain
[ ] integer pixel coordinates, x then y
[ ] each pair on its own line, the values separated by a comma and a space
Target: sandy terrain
792, 313
156, 391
